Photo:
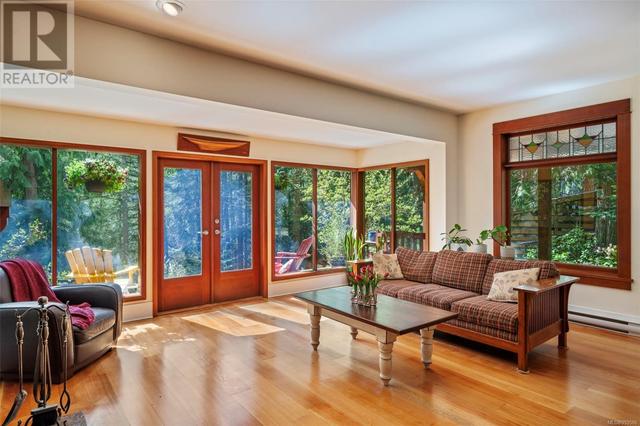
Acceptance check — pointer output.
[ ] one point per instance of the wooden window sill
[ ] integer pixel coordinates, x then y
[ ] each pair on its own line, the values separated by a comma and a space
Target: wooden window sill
308, 274
596, 276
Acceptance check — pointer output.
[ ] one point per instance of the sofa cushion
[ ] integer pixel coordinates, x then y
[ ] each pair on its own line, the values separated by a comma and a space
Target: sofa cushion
105, 320
416, 265
392, 287
387, 266
461, 270
547, 269
443, 299
489, 331
416, 292
481, 311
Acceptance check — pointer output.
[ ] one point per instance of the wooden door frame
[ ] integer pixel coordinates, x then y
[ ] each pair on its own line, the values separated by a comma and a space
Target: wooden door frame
187, 283
262, 205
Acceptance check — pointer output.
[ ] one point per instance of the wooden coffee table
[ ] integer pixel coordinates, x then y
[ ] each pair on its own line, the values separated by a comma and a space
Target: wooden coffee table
389, 319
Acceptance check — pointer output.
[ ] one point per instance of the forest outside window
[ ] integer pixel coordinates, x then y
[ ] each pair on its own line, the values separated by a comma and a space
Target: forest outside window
395, 207
311, 214
60, 225
565, 191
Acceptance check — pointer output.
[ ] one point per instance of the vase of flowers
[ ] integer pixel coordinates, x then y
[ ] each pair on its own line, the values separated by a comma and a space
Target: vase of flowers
96, 175
363, 286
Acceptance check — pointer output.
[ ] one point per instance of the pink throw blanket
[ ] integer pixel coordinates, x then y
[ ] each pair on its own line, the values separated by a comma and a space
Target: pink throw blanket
29, 282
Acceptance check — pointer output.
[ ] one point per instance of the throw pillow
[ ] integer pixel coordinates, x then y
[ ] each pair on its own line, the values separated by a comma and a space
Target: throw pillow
504, 282
387, 265
416, 265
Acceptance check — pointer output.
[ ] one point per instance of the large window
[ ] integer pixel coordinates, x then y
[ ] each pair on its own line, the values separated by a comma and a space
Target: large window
60, 225
565, 190
395, 206
311, 213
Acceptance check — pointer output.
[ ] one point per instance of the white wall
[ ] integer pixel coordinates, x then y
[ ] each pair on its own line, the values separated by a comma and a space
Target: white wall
29, 123
110, 53
475, 195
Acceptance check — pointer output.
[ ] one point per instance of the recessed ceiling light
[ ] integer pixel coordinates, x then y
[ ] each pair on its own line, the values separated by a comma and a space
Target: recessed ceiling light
170, 7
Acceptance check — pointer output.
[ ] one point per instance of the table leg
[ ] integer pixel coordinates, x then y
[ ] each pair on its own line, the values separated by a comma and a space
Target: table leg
426, 345
354, 333
314, 314
385, 346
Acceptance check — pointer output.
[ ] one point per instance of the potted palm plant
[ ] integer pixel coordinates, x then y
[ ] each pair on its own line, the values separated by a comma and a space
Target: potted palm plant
453, 240
96, 175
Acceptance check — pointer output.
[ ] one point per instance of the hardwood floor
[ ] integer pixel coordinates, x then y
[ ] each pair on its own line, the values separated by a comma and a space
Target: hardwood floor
251, 363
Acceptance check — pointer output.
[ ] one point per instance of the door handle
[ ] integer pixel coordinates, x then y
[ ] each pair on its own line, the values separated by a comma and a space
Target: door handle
217, 232
204, 232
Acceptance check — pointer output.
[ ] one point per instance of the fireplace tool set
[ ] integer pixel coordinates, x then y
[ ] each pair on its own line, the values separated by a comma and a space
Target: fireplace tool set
44, 414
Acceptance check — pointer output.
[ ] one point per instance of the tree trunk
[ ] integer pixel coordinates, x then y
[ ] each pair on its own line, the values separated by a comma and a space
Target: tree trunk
544, 213
31, 189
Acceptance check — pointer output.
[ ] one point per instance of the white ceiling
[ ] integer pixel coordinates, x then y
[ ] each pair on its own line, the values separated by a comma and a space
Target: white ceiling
104, 99
456, 55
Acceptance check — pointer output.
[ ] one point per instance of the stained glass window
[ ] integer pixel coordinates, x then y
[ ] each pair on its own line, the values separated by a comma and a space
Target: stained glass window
573, 142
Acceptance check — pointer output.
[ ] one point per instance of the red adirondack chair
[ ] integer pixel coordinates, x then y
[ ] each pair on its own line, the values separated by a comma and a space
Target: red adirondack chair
287, 262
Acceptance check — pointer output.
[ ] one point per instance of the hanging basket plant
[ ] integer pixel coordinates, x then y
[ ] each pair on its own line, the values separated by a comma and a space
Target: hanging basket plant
96, 175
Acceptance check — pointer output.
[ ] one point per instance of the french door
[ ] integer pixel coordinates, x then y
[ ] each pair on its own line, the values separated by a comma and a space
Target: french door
209, 239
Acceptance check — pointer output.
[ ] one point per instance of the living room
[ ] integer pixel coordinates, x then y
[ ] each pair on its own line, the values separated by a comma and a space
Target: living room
242, 176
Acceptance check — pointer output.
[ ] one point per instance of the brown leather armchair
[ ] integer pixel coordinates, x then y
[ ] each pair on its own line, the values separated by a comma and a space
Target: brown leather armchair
84, 346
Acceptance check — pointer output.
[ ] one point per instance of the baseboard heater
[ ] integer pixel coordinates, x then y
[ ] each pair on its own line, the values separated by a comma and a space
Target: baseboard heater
606, 323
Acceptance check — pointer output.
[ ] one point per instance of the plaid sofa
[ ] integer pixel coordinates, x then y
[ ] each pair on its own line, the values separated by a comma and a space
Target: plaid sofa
459, 282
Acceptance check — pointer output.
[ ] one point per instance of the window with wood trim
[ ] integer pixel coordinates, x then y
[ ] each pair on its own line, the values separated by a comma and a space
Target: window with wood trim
311, 212
395, 206
59, 220
562, 185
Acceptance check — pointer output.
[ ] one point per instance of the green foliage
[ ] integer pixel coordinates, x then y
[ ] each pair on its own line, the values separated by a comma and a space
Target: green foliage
484, 236
377, 200
293, 208
109, 221
580, 247
334, 216
500, 234
22, 242
454, 237
353, 245
79, 172
583, 212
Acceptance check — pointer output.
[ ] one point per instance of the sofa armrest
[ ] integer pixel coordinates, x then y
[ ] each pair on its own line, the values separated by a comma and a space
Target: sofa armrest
548, 284
543, 312
8, 342
107, 295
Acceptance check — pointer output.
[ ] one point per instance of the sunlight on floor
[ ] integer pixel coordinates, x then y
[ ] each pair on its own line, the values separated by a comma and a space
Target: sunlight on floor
134, 330
233, 325
279, 310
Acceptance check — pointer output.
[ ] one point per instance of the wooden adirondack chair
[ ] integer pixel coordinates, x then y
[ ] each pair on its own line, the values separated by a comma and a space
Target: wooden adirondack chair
94, 265
287, 262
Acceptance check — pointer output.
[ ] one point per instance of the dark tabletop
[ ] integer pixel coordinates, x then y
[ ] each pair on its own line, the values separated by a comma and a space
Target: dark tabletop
395, 315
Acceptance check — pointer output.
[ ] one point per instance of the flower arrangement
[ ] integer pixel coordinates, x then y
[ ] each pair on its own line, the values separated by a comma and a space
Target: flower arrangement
97, 175
363, 286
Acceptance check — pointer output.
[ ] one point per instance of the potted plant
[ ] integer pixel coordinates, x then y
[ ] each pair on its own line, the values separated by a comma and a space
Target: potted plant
501, 235
96, 175
453, 240
353, 246
480, 246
